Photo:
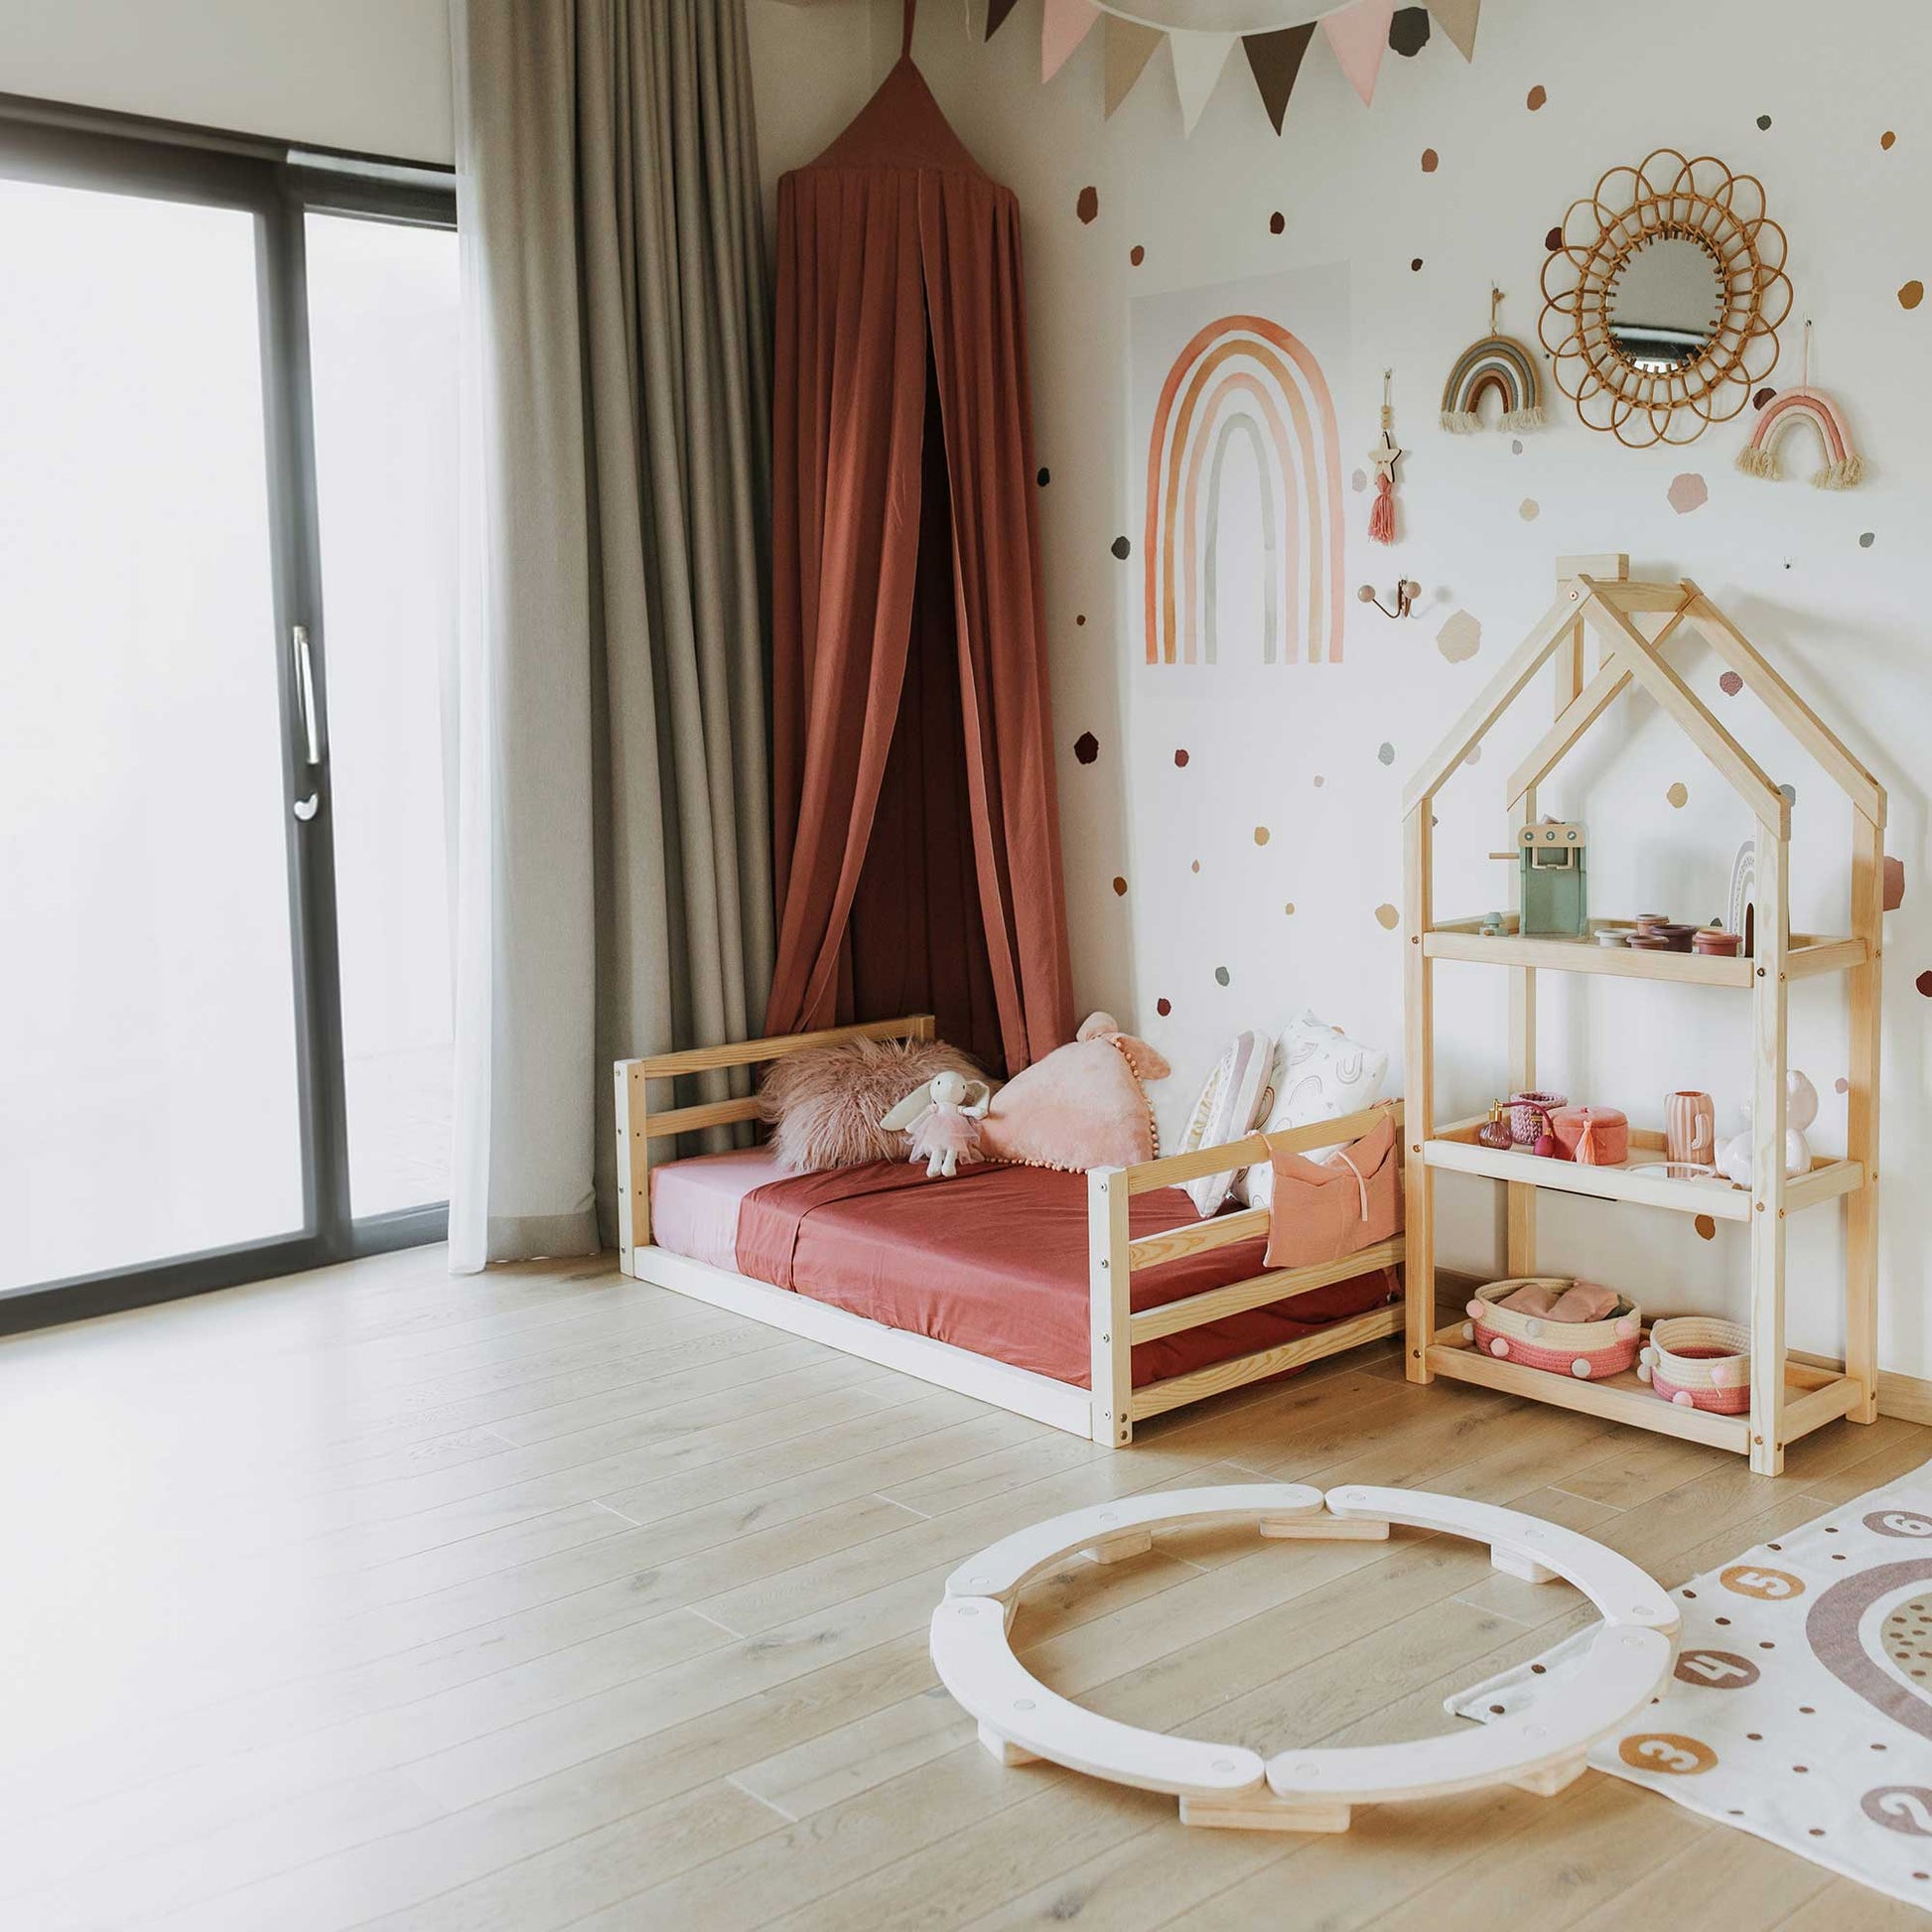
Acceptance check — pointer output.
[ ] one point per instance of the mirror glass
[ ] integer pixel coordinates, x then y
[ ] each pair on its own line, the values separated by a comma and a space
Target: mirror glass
1665, 302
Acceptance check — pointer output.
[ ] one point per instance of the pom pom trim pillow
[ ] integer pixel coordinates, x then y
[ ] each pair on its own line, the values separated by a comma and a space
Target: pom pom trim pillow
1235, 1095
1319, 1074
825, 1103
1083, 1106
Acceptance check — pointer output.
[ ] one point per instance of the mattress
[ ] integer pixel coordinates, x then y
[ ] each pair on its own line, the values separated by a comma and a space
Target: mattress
992, 1261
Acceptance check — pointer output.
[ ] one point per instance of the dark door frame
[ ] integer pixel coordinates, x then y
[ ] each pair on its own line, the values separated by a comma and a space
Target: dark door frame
279, 185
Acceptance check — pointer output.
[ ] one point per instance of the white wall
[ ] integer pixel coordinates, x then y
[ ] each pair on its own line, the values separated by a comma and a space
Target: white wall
1848, 623
372, 75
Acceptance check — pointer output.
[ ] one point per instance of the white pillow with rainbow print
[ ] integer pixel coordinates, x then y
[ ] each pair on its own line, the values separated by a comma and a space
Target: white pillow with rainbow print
1318, 1073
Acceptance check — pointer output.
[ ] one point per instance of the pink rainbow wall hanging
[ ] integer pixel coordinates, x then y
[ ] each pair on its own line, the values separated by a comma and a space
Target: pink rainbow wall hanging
1759, 457
1247, 378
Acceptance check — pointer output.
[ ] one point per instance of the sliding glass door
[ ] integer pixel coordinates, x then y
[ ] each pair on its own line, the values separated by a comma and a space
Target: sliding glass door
224, 978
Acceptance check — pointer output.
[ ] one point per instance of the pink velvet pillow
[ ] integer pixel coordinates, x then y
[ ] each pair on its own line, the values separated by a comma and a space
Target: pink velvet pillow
825, 1103
1083, 1106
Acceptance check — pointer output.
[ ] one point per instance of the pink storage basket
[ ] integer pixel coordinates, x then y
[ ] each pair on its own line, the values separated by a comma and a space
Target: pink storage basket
1698, 1362
1589, 1350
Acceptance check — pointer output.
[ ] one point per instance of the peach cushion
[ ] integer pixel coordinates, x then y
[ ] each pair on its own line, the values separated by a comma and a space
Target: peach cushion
1082, 1106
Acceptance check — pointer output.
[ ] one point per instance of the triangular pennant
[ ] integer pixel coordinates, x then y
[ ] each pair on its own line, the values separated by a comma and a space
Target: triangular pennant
1360, 37
1197, 63
996, 15
1127, 46
1275, 59
1062, 27
1458, 22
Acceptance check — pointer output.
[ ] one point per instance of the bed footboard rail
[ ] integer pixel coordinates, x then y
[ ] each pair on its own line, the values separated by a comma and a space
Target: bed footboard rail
638, 1126
1112, 1258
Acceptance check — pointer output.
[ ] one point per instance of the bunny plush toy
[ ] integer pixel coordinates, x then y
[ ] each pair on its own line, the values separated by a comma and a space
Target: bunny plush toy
944, 1117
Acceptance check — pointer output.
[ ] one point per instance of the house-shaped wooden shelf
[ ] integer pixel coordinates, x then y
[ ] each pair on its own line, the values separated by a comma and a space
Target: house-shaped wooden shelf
1635, 623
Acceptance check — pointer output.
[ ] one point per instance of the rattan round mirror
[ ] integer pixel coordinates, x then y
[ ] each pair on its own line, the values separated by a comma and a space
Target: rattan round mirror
1663, 294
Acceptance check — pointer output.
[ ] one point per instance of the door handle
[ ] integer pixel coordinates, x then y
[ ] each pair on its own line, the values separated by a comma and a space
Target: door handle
306, 808
305, 698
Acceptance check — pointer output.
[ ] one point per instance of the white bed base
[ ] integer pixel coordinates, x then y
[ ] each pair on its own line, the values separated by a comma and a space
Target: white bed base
1108, 1409
1539, 1748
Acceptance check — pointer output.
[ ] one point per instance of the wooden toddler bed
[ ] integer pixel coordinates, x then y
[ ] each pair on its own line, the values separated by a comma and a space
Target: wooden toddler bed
1086, 1302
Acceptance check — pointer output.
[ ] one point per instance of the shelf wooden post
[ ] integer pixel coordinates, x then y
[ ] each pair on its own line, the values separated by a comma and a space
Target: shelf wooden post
1769, 999
1862, 1116
1418, 1098
1109, 1276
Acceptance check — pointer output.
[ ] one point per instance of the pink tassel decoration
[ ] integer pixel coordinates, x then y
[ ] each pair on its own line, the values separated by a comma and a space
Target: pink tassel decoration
1381, 518
1385, 455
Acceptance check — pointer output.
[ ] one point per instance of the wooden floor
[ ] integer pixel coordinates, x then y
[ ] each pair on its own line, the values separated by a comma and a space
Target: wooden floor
546, 1598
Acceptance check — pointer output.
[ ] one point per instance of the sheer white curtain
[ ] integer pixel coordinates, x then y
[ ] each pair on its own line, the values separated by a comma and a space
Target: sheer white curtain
614, 862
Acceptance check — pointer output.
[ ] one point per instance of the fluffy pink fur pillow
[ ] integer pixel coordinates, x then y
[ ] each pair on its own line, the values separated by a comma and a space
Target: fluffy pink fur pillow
1083, 1106
826, 1102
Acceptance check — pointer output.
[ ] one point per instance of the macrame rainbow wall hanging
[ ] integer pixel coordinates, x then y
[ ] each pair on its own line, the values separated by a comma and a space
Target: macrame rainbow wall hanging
1759, 457
1499, 363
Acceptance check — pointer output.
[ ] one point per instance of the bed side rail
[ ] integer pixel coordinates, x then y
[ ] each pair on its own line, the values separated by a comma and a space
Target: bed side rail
638, 1126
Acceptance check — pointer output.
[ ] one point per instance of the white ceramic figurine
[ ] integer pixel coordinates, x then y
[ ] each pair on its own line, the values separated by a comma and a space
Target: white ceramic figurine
1800, 1110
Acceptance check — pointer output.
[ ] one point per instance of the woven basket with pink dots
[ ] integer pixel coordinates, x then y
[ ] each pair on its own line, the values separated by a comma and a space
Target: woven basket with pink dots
1700, 1362
1589, 1350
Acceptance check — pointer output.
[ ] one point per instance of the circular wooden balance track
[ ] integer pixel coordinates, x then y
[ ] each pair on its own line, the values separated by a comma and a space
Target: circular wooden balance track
1539, 1748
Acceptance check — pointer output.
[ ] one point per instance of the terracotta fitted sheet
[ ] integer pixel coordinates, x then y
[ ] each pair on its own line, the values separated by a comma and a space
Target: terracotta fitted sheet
995, 1261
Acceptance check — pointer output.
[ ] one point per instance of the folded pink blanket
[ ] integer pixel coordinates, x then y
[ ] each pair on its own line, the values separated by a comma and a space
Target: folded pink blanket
1580, 1302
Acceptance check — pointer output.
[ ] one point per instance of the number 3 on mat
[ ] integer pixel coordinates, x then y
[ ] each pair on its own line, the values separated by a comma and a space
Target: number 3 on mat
1666, 1751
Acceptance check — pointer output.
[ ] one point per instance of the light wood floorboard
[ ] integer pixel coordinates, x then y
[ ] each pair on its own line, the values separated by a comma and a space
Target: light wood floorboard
548, 1599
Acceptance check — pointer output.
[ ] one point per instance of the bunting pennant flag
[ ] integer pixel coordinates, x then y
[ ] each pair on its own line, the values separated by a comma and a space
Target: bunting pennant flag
1197, 63
996, 15
1458, 19
1126, 47
1275, 59
1360, 37
1063, 25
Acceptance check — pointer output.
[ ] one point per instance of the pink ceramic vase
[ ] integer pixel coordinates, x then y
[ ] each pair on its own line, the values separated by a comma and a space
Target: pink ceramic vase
1690, 1128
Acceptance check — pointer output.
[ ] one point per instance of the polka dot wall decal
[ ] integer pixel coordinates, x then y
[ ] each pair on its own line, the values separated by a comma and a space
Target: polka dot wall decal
1387, 918
1164, 1007
1289, 909
1136, 255
1319, 781
1528, 510
1790, 794
1081, 617
1261, 835
1220, 976
1195, 867
1409, 31
1086, 748
1276, 223
1762, 397
1385, 752
1866, 539
1885, 140
1119, 886
1894, 893
1678, 796
1459, 638
1707, 1228
1924, 984
1688, 491
1180, 758
1089, 205
1841, 1085
1359, 480
1763, 123
1912, 294
1414, 265
1043, 476
1553, 241
1121, 548
1431, 161
1730, 683
1473, 755
1516, 446
1538, 95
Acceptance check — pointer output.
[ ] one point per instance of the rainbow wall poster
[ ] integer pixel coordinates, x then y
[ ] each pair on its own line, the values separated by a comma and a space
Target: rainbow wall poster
1501, 363
1844, 466
1243, 479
